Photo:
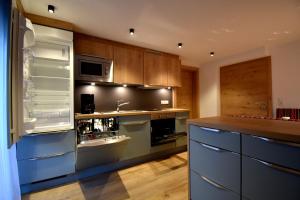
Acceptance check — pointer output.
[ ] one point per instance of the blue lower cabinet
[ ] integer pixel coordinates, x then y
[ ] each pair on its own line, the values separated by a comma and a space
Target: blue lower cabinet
282, 153
42, 168
217, 164
203, 188
219, 138
40, 145
138, 129
266, 181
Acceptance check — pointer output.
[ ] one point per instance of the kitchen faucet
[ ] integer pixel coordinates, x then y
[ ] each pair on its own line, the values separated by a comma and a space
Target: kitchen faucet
119, 104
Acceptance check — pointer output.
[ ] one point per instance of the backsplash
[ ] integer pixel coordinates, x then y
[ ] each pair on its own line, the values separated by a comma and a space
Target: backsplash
106, 97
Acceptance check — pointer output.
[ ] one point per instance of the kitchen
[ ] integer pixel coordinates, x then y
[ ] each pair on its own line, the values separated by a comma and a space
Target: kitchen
108, 112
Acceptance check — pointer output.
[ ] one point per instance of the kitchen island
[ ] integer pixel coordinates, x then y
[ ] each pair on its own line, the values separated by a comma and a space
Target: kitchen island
243, 158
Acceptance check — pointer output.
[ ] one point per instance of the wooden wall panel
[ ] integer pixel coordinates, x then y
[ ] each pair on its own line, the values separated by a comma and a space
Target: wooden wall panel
41, 20
246, 88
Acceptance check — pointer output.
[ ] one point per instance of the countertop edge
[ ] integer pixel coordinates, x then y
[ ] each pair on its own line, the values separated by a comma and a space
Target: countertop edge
289, 136
121, 114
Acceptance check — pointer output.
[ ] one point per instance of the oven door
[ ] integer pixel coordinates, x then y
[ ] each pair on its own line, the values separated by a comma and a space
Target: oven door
93, 69
162, 131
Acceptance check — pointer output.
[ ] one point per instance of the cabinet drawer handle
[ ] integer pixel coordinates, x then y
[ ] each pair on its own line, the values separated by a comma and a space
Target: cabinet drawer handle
181, 118
48, 133
211, 147
213, 183
277, 141
210, 129
49, 156
278, 168
134, 123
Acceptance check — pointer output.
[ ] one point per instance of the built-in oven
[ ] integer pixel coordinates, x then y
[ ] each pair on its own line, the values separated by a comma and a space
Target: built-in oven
162, 129
93, 69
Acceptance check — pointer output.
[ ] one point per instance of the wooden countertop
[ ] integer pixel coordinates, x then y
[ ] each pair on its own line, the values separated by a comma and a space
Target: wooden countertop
127, 113
275, 129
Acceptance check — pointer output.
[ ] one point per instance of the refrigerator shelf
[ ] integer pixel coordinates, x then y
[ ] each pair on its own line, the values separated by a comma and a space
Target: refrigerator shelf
50, 62
50, 77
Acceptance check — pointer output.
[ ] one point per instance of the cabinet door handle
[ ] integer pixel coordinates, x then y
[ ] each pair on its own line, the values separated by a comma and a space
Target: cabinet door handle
48, 156
277, 141
134, 123
211, 147
278, 168
213, 183
210, 129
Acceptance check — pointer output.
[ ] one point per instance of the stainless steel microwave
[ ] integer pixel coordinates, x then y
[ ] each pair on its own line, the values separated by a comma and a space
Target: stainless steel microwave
93, 69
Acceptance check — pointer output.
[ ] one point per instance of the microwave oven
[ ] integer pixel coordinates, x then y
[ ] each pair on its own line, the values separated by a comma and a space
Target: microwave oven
93, 69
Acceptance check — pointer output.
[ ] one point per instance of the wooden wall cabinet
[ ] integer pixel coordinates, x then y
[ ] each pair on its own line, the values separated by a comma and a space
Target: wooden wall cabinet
155, 69
92, 46
132, 65
161, 69
174, 71
128, 65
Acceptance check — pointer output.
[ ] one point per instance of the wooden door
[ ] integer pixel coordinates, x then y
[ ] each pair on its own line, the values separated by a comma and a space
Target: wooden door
155, 69
128, 65
187, 96
246, 88
92, 46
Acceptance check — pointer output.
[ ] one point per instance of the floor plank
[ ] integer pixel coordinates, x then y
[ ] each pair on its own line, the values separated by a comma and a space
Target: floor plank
156, 180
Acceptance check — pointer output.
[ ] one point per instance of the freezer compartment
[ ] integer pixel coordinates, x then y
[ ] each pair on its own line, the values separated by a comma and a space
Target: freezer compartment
51, 51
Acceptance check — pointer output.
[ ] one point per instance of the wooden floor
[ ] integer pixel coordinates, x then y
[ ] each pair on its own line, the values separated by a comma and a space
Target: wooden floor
156, 180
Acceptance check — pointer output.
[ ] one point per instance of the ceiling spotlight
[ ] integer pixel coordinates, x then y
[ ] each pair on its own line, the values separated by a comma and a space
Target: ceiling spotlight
124, 85
212, 54
180, 45
131, 31
51, 9
169, 88
93, 84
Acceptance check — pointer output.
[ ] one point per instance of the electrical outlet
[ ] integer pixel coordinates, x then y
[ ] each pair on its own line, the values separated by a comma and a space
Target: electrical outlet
164, 102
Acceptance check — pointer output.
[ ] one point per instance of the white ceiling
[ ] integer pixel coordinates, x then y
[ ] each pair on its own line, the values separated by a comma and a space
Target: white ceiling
227, 27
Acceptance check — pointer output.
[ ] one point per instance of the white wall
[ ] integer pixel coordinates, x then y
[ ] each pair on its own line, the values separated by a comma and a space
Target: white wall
285, 77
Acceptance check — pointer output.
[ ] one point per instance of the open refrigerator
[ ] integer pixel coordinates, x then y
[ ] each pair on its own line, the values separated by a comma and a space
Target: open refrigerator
42, 79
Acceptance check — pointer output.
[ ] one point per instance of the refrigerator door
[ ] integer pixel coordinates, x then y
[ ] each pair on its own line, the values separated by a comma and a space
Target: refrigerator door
22, 35
48, 81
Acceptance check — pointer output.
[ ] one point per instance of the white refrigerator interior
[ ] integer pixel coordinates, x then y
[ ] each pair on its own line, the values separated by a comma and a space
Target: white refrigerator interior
48, 81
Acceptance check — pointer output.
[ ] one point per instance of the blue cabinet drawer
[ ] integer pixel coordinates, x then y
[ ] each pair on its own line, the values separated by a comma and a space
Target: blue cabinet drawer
218, 138
43, 145
203, 188
278, 152
264, 181
38, 169
217, 164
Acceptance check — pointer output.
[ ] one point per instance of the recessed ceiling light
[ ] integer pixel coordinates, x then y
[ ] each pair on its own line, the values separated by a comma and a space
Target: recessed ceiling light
51, 9
169, 88
124, 85
93, 84
131, 31
180, 45
212, 54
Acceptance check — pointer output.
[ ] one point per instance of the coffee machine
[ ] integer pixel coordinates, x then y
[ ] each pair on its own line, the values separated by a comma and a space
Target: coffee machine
87, 104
